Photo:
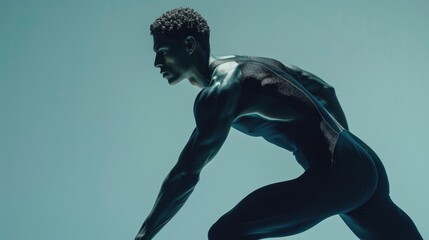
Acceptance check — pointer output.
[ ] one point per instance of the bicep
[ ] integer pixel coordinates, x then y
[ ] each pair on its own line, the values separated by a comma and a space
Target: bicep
202, 146
215, 109
216, 106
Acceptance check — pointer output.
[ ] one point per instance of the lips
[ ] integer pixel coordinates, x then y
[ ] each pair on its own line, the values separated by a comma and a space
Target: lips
163, 72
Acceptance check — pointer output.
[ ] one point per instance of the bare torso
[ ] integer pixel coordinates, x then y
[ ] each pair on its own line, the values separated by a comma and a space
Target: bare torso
278, 108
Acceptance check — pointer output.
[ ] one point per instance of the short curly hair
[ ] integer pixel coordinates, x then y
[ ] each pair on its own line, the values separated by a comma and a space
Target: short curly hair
180, 23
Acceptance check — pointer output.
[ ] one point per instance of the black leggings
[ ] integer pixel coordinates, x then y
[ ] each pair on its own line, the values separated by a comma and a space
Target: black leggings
356, 187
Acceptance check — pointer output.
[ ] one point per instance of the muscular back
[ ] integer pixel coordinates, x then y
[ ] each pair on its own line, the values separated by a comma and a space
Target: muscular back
322, 91
276, 106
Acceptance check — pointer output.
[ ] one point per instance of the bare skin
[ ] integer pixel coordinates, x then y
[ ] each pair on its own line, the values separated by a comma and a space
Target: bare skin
294, 110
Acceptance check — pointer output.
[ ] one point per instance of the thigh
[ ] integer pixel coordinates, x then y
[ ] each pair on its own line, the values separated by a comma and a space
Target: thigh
380, 218
281, 209
291, 207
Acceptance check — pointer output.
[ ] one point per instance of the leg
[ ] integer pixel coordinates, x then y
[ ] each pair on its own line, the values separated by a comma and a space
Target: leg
291, 207
284, 208
380, 218
275, 210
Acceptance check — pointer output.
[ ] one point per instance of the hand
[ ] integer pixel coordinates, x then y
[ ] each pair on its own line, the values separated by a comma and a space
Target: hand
142, 234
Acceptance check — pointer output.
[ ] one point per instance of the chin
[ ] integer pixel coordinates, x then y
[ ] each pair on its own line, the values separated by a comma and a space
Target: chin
174, 81
171, 82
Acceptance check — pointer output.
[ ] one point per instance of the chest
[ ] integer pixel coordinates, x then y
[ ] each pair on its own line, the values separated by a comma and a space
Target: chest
253, 125
285, 134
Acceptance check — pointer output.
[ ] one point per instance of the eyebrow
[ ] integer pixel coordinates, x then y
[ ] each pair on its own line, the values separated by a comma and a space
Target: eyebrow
156, 48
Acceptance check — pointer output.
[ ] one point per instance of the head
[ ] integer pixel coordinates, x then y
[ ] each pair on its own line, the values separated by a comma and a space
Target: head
181, 43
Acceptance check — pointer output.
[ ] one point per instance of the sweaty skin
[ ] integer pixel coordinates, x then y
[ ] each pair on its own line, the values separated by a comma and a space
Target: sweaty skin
296, 111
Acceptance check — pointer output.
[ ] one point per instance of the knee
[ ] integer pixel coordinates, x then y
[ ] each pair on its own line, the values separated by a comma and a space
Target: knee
217, 231
222, 230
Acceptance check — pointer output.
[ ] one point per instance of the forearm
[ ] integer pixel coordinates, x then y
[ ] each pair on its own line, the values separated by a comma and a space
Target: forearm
174, 192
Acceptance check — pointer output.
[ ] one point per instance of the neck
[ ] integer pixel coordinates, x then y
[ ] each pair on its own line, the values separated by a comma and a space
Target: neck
202, 76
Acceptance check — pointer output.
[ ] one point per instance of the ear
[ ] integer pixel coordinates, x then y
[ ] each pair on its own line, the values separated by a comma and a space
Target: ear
191, 44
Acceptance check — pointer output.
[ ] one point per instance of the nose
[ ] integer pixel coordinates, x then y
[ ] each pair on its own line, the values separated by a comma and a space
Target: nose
158, 62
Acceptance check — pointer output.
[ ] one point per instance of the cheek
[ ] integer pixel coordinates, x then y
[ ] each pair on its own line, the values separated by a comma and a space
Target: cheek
179, 63
170, 61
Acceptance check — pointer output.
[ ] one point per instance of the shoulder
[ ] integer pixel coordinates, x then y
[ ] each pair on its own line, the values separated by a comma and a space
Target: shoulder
222, 94
225, 82
226, 72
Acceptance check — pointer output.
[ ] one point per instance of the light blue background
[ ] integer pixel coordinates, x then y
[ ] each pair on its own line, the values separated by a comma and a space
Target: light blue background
89, 128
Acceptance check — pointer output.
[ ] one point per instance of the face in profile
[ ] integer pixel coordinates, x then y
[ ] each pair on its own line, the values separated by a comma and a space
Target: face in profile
171, 58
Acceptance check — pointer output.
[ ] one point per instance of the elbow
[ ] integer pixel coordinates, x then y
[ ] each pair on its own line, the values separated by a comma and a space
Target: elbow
191, 177
189, 180
188, 176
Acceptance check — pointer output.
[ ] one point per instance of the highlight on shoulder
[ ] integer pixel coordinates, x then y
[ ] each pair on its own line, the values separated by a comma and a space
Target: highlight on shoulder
226, 73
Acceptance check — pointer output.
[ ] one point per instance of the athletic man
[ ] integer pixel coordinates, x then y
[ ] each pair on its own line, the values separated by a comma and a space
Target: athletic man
288, 107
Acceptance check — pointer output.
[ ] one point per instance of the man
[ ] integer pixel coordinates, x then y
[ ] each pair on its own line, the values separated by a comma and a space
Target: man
288, 107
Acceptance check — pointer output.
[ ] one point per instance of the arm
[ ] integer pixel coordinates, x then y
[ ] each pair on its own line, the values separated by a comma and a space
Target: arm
214, 112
